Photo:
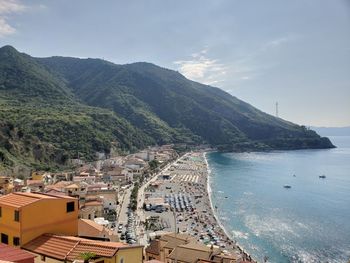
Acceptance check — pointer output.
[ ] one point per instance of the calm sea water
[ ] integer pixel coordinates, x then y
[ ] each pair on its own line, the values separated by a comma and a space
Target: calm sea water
308, 223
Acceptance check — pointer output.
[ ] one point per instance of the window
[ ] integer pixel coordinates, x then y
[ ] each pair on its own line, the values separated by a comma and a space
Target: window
121, 260
70, 207
43, 258
16, 241
16, 216
4, 238
0, 211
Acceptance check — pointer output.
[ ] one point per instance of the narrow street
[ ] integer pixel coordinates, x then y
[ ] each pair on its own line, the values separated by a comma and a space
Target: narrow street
122, 216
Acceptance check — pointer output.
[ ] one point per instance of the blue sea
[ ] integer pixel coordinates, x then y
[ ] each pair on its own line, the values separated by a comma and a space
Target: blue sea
310, 222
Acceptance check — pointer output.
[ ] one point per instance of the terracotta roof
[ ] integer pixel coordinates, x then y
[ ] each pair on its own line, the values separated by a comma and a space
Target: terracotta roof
171, 241
198, 246
61, 184
13, 254
72, 186
22, 199
51, 246
34, 182
69, 248
179, 236
54, 191
154, 247
54, 187
190, 253
153, 261
93, 203
89, 228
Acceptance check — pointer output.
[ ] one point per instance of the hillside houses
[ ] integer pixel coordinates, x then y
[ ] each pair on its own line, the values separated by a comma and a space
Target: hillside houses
116, 171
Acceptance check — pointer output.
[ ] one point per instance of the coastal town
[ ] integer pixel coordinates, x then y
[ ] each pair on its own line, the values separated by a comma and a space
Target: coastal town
151, 206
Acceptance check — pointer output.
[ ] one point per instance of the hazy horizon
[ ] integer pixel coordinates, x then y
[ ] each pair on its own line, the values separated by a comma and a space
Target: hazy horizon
296, 53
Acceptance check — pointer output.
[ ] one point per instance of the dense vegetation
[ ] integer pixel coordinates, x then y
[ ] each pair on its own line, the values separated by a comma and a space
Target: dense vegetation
54, 109
42, 124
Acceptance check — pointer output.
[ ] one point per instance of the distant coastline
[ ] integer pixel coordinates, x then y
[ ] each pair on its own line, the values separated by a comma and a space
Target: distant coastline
332, 131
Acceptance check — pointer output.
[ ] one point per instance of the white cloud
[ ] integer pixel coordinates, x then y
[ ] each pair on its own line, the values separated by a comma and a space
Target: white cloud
278, 42
11, 6
5, 29
202, 69
8, 7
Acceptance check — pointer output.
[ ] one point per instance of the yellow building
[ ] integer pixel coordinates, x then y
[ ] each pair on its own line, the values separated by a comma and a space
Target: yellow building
6, 185
53, 249
37, 176
25, 216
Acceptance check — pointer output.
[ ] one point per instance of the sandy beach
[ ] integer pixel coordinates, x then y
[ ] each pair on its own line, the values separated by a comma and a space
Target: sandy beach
186, 191
235, 246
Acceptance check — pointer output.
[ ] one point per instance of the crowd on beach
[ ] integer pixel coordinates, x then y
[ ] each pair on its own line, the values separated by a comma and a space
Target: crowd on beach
189, 177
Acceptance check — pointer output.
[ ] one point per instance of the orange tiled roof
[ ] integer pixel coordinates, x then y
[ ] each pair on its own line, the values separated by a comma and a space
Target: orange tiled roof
89, 228
22, 199
62, 184
34, 182
13, 254
93, 203
70, 248
54, 191
55, 247
72, 186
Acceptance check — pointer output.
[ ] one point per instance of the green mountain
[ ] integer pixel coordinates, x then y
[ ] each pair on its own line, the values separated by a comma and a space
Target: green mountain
53, 109
43, 124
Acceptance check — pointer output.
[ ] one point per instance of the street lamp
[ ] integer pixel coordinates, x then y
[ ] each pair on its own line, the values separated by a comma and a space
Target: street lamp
175, 224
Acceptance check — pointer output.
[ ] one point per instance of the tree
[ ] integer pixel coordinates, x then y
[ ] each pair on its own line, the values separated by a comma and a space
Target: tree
153, 164
86, 256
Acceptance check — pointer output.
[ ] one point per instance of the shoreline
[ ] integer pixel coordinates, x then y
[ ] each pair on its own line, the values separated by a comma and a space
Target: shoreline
186, 190
215, 215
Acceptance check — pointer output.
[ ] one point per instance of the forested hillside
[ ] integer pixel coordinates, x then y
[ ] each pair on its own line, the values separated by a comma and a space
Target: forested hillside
53, 109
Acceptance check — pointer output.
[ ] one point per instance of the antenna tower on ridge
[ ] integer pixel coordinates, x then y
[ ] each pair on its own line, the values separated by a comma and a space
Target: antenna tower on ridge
277, 109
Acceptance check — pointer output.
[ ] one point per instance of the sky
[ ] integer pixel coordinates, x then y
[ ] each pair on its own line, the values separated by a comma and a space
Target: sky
296, 52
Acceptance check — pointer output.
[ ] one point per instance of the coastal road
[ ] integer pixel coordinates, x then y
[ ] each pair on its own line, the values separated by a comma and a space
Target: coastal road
140, 213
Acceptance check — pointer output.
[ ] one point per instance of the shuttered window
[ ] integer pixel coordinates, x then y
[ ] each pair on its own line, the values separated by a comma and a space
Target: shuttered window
17, 216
